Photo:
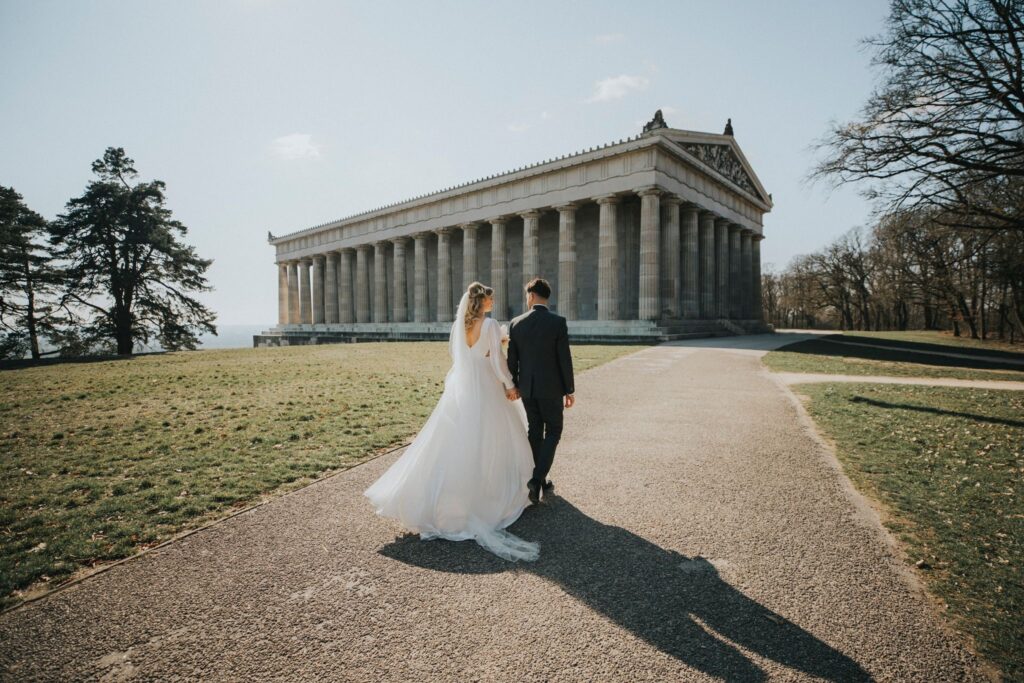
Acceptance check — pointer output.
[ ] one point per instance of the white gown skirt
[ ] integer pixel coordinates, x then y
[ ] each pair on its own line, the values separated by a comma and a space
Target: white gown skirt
464, 475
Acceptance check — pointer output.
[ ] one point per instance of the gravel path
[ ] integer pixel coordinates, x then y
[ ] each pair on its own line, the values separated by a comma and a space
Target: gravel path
700, 532
814, 377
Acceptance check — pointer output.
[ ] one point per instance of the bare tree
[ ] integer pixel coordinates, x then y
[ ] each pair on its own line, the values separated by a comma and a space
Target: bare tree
944, 130
770, 292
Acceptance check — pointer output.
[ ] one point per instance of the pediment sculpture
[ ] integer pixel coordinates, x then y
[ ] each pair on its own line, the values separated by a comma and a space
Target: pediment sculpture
657, 122
724, 160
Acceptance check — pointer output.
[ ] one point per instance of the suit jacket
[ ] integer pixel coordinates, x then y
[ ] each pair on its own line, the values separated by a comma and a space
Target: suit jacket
538, 354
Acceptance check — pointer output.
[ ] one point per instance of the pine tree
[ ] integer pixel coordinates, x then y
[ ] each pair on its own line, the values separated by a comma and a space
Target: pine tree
126, 265
30, 302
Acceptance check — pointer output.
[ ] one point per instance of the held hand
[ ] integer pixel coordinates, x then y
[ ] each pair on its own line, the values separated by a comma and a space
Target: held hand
570, 400
512, 394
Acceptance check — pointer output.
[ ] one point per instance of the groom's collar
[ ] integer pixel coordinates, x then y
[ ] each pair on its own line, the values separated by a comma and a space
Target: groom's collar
539, 306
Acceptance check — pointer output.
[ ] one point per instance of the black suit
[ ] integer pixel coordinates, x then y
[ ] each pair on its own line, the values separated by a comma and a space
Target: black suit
541, 367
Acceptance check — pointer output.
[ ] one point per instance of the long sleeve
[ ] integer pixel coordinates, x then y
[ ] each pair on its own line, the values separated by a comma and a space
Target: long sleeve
496, 357
565, 359
513, 356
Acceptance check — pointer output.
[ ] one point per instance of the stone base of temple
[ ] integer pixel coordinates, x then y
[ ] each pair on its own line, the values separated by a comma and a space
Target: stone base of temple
580, 332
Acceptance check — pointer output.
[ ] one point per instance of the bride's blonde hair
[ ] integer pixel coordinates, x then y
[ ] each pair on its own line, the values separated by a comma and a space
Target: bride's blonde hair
474, 306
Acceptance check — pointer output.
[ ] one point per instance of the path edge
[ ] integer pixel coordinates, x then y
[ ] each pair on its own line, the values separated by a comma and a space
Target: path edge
388, 450
871, 513
180, 536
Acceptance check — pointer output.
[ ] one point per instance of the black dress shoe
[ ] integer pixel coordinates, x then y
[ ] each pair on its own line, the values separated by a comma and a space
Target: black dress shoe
534, 491
548, 486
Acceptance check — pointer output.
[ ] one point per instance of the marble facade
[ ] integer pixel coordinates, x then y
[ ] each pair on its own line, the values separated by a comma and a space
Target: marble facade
656, 229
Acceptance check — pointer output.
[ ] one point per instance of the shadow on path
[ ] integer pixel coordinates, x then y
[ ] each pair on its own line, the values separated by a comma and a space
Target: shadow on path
936, 411
657, 594
899, 351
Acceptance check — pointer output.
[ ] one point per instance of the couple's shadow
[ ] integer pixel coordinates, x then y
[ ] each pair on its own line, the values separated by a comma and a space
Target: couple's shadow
656, 594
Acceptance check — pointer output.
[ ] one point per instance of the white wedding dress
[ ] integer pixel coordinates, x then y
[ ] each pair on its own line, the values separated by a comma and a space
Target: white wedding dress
464, 475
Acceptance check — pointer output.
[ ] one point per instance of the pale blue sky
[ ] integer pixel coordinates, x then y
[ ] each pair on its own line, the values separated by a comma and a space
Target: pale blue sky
278, 115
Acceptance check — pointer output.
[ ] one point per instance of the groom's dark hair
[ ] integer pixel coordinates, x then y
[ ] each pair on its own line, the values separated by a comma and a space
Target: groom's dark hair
540, 287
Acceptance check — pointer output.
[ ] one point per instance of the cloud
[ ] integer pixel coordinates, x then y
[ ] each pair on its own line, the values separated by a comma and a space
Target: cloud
295, 146
617, 87
609, 38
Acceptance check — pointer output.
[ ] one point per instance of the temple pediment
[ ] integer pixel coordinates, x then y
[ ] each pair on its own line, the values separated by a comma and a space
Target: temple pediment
723, 159
718, 152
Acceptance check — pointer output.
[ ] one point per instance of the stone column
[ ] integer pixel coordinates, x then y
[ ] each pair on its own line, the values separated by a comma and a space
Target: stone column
282, 293
671, 277
755, 260
305, 297
708, 263
567, 302
420, 310
746, 274
345, 299
362, 284
722, 267
318, 289
531, 244
469, 273
608, 258
691, 262
331, 288
650, 259
294, 315
444, 275
380, 281
399, 296
499, 277
735, 276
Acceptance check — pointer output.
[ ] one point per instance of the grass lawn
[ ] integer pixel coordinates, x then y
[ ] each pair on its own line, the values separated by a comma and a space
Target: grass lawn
947, 466
914, 357
104, 459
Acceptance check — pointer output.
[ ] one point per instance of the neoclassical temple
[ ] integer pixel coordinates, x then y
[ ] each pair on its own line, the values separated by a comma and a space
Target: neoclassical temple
652, 237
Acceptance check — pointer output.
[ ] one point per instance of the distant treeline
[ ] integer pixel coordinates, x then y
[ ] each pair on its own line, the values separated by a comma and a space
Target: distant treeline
908, 272
939, 149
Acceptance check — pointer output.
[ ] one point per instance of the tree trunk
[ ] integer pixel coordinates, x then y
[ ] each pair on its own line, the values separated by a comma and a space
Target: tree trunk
1017, 310
968, 318
1003, 317
30, 313
123, 332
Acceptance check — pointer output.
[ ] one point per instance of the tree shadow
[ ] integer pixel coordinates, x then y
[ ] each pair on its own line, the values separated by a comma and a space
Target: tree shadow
768, 341
657, 594
19, 363
900, 351
936, 411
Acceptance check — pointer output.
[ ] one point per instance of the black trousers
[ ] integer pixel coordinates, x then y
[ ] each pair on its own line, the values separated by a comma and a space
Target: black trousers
544, 416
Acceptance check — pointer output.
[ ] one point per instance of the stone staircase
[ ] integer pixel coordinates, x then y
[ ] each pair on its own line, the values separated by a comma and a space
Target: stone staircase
580, 332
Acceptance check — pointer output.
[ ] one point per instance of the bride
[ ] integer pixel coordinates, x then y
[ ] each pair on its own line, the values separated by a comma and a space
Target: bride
464, 475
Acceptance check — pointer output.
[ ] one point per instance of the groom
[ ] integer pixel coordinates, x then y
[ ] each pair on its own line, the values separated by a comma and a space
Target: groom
541, 367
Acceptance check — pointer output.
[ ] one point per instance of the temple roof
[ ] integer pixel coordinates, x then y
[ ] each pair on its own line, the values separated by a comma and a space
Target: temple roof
718, 153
